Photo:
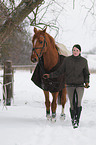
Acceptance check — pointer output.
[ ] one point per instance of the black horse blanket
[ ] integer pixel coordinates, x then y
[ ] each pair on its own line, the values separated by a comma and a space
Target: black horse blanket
50, 84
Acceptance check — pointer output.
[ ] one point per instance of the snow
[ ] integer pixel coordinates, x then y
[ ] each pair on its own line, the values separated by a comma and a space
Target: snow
92, 61
24, 122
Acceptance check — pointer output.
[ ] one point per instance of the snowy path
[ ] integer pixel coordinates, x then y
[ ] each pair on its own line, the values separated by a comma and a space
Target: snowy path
24, 123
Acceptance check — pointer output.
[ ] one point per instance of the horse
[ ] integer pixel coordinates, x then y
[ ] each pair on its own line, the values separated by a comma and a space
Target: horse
44, 46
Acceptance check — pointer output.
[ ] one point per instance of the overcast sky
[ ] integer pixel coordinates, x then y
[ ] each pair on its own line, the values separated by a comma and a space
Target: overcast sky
72, 27
76, 30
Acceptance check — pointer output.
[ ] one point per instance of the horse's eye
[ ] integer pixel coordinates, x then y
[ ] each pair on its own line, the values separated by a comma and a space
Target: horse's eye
41, 42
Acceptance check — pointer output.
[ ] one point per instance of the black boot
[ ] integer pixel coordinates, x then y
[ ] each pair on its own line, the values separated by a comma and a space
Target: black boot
78, 113
72, 113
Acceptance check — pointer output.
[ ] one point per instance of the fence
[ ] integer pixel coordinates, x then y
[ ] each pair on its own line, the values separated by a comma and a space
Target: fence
8, 76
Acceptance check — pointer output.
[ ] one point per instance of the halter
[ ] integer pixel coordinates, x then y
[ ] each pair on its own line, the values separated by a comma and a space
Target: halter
34, 48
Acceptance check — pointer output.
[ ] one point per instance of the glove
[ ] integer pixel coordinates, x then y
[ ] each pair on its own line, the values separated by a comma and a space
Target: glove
87, 85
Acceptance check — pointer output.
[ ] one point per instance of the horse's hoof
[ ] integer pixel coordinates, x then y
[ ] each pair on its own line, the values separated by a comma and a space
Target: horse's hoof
62, 116
48, 117
53, 119
48, 114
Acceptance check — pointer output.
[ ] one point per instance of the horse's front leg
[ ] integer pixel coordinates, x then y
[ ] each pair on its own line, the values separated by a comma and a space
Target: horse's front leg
47, 104
54, 104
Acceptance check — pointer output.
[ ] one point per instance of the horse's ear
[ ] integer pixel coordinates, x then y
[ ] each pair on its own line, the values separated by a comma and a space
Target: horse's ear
45, 29
35, 30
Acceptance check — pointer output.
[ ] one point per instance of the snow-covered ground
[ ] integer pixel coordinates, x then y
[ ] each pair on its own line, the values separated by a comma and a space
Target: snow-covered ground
24, 123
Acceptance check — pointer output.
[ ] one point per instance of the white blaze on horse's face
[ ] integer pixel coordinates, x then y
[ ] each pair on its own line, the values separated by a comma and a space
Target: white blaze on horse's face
34, 57
37, 48
35, 42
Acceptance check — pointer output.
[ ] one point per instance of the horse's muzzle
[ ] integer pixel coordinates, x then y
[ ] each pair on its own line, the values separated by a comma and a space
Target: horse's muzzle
33, 60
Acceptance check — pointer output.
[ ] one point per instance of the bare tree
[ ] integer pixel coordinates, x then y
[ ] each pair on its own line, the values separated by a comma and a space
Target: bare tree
16, 17
16, 14
12, 16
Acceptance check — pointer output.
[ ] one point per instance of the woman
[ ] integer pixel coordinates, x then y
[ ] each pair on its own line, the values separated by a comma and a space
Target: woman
77, 74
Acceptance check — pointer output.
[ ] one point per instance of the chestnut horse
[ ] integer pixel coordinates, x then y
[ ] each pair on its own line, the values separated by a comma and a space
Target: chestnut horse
44, 45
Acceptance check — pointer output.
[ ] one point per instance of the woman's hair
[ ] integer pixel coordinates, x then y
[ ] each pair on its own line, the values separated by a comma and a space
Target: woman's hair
77, 46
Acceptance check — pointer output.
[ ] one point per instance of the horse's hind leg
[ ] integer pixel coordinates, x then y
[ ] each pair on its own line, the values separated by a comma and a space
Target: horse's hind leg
63, 101
47, 103
54, 104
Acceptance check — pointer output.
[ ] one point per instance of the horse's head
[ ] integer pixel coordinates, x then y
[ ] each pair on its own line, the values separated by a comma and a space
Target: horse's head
39, 44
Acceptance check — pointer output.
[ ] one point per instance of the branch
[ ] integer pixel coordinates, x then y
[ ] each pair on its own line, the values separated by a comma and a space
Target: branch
92, 8
16, 17
41, 23
4, 13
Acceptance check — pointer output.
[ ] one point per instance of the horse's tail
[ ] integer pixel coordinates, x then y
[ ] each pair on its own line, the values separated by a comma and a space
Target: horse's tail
62, 50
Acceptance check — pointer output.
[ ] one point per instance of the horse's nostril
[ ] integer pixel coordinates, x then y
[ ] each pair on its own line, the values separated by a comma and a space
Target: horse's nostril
33, 59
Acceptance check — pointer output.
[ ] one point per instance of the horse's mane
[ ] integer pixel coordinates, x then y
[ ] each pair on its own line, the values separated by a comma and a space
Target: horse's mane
52, 41
61, 48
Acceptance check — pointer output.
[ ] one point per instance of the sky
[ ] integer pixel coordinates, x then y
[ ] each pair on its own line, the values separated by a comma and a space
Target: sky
78, 31
73, 27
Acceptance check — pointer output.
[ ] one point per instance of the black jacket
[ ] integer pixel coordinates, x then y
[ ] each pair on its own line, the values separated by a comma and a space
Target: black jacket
75, 69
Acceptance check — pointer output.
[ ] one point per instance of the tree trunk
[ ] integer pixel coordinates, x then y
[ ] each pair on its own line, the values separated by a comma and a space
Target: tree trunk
16, 17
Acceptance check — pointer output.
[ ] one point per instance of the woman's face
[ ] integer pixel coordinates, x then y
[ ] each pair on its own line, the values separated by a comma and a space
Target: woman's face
76, 51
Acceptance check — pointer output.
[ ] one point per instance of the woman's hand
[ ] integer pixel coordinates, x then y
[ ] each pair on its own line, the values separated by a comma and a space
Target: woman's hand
87, 85
46, 76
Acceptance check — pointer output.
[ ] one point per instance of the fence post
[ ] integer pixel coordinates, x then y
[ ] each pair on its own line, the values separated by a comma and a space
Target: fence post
8, 83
